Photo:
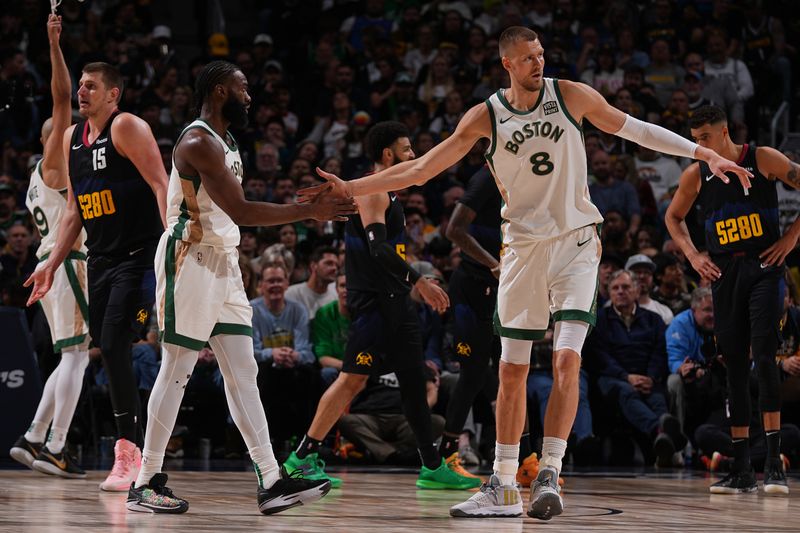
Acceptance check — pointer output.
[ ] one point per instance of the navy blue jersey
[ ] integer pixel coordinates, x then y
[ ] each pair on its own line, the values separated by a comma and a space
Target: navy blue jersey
483, 197
735, 222
365, 273
116, 205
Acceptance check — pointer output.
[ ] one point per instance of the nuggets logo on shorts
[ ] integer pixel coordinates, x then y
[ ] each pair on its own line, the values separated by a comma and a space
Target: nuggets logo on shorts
364, 359
141, 316
463, 349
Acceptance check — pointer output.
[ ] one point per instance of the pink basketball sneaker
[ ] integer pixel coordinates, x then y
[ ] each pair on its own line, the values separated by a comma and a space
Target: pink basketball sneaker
127, 461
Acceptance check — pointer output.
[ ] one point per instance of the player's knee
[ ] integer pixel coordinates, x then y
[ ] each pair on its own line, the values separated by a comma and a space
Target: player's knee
513, 375
566, 366
352, 383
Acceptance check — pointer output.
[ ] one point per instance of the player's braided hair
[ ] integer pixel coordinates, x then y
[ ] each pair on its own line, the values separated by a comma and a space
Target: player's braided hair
212, 75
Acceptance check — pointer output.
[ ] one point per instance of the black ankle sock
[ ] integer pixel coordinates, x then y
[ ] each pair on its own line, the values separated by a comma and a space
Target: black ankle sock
449, 445
524, 447
773, 445
430, 456
741, 455
307, 446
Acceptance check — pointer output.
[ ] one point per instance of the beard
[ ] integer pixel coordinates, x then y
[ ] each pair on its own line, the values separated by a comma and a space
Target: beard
235, 112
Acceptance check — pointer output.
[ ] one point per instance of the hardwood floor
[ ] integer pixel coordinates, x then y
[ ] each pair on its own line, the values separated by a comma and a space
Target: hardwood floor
381, 502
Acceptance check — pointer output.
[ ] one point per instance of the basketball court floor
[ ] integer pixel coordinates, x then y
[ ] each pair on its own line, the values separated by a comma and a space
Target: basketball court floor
388, 502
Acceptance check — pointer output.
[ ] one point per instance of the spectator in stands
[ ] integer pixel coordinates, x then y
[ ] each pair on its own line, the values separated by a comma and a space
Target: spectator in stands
329, 332
320, 289
284, 190
282, 348
663, 73
609, 194
643, 269
615, 237
661, 172
671, 286
627, 352
690, 346
437, 84
8, 206
720, 65
18, 257
609, 263
268, 161
606, 77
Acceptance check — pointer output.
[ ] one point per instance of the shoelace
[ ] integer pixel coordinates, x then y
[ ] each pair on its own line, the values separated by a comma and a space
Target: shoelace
124, 458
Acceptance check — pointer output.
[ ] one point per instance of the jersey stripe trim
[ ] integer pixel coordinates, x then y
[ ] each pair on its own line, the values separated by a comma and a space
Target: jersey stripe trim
227, 328
502, 98
232, 145
517, 333
576, 314
564, 106
66, 343
169, 335
73, 254
493, 146
77, 290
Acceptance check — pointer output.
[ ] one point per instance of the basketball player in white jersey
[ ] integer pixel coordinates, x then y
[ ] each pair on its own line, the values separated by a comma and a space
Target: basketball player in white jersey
201, 299
551, 247
65, 305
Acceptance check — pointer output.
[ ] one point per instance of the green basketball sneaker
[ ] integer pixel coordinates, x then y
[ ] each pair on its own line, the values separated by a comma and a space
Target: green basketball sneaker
312, 468
445, 477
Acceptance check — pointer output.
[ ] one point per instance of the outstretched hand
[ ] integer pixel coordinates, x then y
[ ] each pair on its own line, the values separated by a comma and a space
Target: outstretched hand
719, 166
42, 280
326, 205
336, 185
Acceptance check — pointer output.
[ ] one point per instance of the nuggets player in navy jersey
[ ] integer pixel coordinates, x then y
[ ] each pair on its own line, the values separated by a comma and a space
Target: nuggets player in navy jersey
744, 263
384, 334
116, 192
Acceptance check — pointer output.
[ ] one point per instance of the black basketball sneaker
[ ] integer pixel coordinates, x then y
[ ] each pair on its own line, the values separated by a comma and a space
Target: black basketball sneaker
24, 451
58, 464
155, 497
736, 483
290, 491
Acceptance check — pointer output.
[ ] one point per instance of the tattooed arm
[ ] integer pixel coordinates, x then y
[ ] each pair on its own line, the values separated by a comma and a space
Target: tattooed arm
775, 165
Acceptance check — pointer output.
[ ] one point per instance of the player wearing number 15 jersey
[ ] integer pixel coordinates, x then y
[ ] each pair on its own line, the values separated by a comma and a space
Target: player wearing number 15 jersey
745, 266
551, 253
117, 193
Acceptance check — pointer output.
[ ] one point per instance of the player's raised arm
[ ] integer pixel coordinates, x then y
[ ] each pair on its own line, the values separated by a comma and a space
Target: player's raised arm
588, 103
474, 125
54, 168
198, 151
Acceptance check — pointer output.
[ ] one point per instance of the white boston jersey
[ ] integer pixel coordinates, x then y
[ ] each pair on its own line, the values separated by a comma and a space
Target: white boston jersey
192, 215
46, 206
539, 162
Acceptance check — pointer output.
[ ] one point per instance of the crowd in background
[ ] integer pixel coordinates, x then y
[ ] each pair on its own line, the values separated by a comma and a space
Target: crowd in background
320, 74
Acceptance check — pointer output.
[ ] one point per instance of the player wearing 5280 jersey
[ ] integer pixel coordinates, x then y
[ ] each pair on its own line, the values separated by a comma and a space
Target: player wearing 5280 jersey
117, 193
551, 253
745, 267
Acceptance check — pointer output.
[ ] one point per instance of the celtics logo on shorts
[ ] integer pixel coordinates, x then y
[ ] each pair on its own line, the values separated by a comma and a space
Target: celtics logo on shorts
463, 349
364, 359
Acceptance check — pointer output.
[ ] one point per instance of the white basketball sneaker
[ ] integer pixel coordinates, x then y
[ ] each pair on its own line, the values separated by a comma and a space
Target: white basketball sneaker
493, 500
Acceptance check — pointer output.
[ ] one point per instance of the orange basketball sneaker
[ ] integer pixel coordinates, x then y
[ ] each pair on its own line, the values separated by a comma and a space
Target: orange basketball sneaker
529, 469
454, 463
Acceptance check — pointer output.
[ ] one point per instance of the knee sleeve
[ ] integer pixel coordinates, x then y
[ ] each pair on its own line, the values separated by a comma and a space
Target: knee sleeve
516, 351
570, 334
769, 387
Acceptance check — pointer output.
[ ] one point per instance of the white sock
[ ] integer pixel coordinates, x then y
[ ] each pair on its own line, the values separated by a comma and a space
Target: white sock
177, 364
37, 432
239, 370
67, 392
44, 412
56, 439
553, 450
506, 462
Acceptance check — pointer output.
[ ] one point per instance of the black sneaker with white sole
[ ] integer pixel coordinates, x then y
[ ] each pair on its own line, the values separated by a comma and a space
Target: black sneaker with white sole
25, 451
58, 464
290, 491
775, 477
155, 497
736, 483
